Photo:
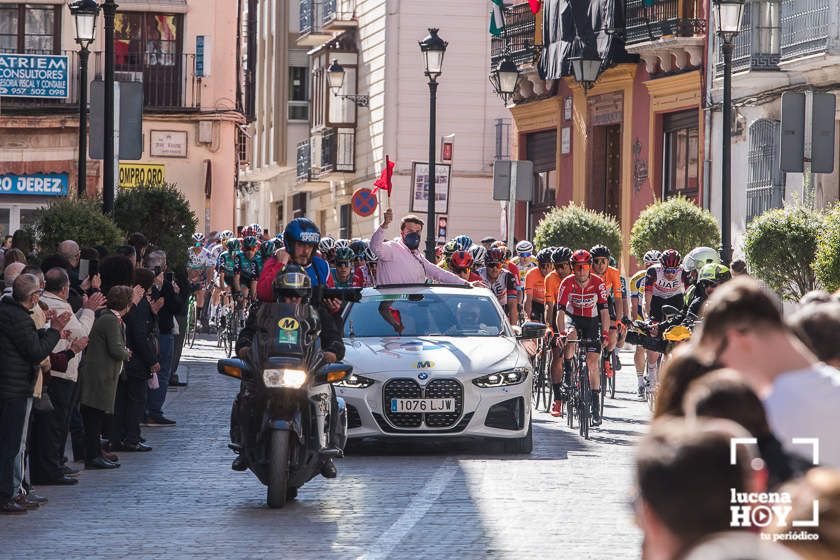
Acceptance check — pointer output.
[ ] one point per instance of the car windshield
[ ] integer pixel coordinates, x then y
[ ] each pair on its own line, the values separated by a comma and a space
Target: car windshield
430, 314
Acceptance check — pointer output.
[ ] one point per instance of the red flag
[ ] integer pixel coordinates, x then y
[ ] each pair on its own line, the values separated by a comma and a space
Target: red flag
384, 181
535, 5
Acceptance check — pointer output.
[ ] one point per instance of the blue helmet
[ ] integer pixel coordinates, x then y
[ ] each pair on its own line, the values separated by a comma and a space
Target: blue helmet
267, 248
301, 230
463, 242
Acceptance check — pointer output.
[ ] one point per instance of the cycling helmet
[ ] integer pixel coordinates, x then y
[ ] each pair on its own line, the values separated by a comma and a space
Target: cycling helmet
450, 247
464, 242
479, 253
292, 281
198, 237
561, 255
250, 242
713, 273
301, 230
225, 235
544, 256
342, 243
232, 245
524, 248
267, 248
326, 244
600, 251
495, 255
670, 258
358, 247
370, 256
256, 230
344, 254
651, 257
461, 260
505, 251
613, 262
699, 257
581, 256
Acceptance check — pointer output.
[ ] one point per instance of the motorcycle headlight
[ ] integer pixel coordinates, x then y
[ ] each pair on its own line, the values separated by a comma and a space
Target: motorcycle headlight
355, 382
284, 378
502, 378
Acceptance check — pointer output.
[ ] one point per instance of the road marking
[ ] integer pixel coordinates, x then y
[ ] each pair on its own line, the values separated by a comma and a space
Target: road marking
414, 512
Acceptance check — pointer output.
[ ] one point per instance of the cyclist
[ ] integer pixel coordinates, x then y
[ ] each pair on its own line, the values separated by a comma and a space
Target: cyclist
637, 312
561, 260
524, 259
535, 286
359, 247
583, 297
501, 283
612, 280
344, 274
693, 262
665, 284
461, 264
228, 267
478, 253
200, 266
709, 278
448, 249
327, 249
372, 262
463, 242
250, 265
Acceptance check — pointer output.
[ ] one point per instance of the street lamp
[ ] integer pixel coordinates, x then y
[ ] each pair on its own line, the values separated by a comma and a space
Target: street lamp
433, 48
586, 66
727, 25
109, 8
335, 79
84, 13
504, 78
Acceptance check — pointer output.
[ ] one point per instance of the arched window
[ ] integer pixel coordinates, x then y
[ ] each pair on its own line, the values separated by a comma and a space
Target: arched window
765, 181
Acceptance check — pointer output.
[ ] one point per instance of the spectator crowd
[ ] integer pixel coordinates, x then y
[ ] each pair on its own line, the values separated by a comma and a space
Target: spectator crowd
90, 342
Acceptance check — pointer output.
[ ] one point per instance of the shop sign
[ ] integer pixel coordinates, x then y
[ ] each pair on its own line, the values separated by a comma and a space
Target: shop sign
168, 143
140, 175
37, 184
34, 75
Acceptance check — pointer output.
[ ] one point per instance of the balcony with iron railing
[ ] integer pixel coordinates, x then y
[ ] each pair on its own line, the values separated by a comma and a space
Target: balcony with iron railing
805, 27
339, 15
311, 23
668, 35
333, 151
169, 82
303, 162
519, 36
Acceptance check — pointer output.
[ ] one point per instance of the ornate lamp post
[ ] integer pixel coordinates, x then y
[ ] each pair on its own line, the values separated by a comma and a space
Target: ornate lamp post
504, 78
335, 79
84, 13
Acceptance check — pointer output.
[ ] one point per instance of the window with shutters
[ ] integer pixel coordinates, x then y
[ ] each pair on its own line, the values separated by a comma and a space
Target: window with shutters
681, 161
765, 180
541, 149
345, 230
30, 28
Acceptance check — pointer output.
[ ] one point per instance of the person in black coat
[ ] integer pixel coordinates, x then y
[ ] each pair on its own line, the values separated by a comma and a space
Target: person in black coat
23, 347
130, 403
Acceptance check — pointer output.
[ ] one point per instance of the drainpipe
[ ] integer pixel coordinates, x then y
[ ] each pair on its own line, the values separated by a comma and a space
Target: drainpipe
707, 101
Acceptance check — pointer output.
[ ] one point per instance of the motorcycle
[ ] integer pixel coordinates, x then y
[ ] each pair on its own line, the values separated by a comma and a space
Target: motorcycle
293, 420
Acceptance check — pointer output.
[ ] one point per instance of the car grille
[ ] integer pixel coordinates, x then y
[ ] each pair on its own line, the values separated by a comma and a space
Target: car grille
353, 418
436, 389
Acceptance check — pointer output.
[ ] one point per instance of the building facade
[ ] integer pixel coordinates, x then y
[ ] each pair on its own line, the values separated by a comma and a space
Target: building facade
784, 45
185, 54
637, 134
348, 138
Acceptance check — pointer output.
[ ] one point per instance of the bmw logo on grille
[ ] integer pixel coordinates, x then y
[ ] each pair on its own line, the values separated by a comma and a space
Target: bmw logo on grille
422, 376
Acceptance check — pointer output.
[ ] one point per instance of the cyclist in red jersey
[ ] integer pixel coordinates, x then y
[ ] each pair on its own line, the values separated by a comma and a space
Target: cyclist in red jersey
583, 297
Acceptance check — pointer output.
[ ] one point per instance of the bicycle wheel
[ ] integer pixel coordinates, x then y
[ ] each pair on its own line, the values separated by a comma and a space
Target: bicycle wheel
572, 397
546, 385
536, 388
603, 384
611, 384
192, 325
585, 410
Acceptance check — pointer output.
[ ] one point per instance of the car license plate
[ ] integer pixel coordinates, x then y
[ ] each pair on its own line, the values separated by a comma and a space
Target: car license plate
422, 405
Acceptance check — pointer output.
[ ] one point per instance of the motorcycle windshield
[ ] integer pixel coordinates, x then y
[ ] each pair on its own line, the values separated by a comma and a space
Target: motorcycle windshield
286, 330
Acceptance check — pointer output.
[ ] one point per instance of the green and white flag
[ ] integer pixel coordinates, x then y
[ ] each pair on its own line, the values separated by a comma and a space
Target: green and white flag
497, 17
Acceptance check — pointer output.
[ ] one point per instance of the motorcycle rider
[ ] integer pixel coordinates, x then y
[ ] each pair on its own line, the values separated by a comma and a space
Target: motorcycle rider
292, 286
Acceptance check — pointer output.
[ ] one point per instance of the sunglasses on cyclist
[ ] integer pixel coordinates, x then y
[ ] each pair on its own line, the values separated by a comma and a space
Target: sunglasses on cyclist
601, 260
494, 265
342, 264
671, 270
581, 266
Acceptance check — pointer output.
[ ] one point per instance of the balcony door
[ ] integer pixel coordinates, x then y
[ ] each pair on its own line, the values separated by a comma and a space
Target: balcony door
605, 178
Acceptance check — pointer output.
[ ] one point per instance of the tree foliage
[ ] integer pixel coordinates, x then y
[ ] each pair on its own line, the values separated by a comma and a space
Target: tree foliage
162, 214
578, 228
81, 220
780, 246
677, 223
827, 263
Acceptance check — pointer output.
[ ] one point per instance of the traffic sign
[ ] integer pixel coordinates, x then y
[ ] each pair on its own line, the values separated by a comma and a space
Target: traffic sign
364, 202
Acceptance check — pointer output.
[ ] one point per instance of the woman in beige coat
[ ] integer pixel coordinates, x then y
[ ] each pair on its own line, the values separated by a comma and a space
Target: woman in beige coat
99, 371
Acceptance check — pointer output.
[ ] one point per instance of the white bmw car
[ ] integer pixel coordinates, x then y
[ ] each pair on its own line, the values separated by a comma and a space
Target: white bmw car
440, 361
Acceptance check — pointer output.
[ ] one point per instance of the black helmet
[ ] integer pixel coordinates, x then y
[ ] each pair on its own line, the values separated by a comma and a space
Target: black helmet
600, 251
561, 255
292, 281
544, 256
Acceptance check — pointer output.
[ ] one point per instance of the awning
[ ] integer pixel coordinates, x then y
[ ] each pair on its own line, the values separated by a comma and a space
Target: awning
599, 25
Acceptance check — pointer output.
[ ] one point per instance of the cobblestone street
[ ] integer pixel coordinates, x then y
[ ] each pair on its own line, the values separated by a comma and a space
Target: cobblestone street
421, 500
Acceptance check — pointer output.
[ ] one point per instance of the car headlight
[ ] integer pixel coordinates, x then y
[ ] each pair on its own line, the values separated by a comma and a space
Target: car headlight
502, 378
284, 378
355, 382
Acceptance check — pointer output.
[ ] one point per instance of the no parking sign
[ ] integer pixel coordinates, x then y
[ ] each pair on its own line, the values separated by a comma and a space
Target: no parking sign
364, 202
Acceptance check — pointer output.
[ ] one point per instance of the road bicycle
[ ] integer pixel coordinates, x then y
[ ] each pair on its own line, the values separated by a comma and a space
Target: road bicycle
579, 400
542, 375
192, 321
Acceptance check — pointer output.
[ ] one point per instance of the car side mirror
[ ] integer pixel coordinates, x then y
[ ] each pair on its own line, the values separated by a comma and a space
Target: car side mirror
531, 330
234, 367
333, 373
